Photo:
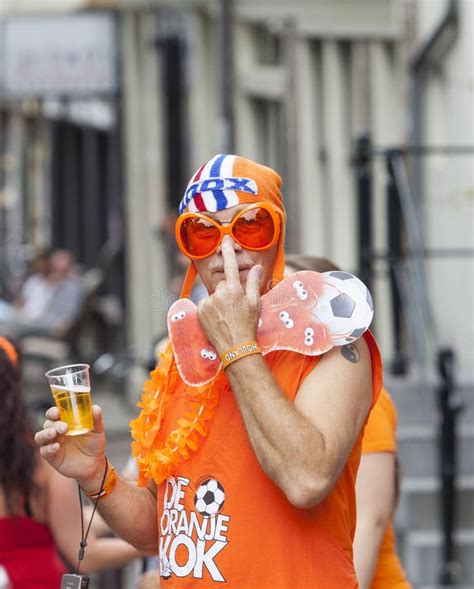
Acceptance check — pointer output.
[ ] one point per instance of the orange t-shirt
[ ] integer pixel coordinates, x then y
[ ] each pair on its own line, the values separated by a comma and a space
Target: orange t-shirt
380, 436
222, 520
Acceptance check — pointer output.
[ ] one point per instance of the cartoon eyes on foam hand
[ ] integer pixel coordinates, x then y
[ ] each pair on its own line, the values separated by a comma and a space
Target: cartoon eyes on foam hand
178, 316
208, 354
301, 293
308, 336
286, 319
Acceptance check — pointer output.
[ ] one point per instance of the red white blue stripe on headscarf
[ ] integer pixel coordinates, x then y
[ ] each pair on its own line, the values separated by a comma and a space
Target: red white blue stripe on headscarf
213, 187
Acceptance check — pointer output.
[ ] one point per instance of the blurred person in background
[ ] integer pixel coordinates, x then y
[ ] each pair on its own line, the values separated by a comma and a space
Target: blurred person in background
375, 557
40, 520
49, 302
282, 434
39, 265
375, 552
36, 275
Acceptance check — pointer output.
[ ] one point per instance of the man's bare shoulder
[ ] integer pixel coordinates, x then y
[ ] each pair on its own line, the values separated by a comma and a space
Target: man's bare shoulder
340, 383
351, 359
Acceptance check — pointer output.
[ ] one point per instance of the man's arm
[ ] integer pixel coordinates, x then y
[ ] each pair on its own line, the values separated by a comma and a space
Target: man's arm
129, 510
64, 523
304, 446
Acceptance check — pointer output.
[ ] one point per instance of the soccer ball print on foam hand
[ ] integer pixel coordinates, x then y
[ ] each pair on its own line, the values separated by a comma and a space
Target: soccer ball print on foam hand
209, 498
346, 307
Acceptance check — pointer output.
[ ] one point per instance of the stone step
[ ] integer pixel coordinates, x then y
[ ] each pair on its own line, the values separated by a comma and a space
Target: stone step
422, 556
419, 505
417, 406
418, 450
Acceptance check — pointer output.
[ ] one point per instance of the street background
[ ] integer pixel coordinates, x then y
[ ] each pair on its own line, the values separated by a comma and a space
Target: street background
365, 107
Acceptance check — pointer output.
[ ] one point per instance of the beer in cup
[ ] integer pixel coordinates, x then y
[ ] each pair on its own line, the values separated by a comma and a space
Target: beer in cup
70, 386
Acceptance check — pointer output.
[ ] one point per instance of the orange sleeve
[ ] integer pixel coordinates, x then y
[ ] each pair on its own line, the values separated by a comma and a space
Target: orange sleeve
380, 430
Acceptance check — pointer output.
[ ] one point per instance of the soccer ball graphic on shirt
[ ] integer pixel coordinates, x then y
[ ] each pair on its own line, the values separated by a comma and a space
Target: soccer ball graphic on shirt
346, 307
209, 498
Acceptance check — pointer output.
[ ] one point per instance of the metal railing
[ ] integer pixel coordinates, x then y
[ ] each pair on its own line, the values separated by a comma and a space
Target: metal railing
412, 317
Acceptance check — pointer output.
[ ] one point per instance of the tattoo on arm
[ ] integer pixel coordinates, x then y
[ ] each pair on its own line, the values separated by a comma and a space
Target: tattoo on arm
351, 353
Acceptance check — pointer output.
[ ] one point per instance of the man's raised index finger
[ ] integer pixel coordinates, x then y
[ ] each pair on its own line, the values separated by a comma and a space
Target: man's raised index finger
231, 267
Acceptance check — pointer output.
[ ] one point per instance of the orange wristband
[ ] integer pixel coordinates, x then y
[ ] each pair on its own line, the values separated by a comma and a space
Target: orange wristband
239, 352
108, 486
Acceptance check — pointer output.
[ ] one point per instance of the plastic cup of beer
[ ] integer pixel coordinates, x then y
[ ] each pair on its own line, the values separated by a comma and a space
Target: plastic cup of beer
71, 389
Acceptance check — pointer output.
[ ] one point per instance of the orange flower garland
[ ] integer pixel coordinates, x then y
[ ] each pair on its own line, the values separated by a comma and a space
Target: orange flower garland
157, 457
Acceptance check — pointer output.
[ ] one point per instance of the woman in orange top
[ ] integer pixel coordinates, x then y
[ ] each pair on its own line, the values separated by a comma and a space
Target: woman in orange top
375, 557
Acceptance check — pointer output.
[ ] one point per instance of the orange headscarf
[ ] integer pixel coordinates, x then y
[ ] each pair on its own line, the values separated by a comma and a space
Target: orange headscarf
224, 182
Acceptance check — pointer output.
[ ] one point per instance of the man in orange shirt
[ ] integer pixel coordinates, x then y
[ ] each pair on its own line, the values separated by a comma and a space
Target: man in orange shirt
264, 495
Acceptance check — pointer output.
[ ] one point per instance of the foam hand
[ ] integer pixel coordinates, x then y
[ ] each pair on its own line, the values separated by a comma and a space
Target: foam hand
307, 312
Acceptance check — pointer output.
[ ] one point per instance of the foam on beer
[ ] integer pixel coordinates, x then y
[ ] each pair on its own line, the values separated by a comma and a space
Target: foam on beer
75, 388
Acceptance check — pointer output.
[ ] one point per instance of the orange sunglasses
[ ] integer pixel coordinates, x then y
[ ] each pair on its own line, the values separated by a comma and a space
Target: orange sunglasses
257, 227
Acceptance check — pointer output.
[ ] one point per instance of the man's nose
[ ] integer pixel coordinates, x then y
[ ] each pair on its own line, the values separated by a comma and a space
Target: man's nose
237, 247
